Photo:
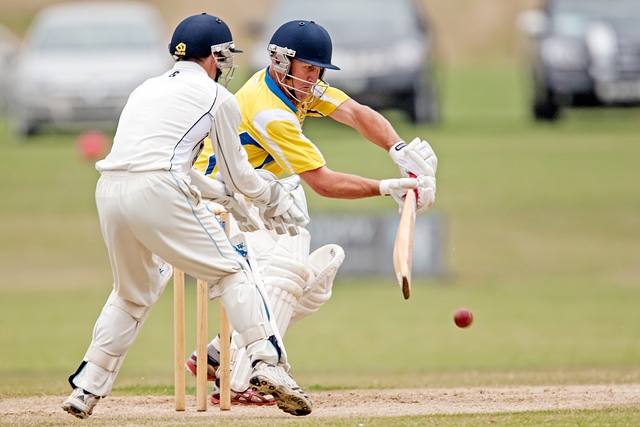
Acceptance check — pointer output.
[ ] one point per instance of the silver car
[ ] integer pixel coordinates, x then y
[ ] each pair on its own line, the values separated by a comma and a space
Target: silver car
80, 61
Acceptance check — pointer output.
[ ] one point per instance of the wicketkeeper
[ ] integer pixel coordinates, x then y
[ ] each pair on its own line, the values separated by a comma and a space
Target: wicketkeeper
274, 104
152, 216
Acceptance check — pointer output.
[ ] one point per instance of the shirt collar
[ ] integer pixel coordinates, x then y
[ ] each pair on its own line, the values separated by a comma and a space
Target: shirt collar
188, 65
277, 91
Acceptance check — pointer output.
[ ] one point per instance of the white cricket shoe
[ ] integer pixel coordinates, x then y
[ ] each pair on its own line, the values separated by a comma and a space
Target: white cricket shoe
80, 403
275, 381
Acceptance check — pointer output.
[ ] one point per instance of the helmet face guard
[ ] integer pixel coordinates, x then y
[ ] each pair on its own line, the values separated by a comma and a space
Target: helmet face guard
281, 64
223, 55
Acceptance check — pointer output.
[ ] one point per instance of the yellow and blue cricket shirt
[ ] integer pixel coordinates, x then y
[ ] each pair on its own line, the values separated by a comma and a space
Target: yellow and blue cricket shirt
271, 128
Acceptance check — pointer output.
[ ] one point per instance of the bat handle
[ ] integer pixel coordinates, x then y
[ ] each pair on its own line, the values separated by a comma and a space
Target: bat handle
413, 175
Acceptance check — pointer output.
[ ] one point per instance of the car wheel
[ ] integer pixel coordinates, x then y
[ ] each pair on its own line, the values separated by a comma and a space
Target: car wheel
422, 104
24, 128
546, 109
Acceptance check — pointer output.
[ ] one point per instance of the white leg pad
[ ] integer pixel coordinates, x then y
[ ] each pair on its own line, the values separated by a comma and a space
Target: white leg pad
113, 335
283, 303
284, 295
285, 274
247, 312
240, 371
281, 260
324, 263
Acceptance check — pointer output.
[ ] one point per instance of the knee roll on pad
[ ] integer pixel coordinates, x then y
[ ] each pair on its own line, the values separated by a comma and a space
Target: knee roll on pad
324, 263
138, 312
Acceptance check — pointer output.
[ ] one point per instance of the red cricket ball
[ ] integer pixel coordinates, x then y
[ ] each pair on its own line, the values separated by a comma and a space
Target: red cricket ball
463, 318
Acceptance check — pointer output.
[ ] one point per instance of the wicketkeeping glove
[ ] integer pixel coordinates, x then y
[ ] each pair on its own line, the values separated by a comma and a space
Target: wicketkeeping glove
397, 188
287, 206
236, 205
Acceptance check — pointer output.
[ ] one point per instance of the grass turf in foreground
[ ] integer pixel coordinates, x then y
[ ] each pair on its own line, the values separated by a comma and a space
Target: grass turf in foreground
366, 336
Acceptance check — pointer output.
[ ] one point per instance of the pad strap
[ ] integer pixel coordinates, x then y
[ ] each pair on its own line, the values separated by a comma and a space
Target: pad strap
256, 333
104, 360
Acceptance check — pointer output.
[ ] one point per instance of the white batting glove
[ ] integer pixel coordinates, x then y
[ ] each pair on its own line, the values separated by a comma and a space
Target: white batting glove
426, 193
417, 158
235, 204
397, 188
287, 207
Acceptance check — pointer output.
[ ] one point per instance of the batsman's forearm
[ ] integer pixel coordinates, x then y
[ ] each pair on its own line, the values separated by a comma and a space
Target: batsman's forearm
368, 122
338, 185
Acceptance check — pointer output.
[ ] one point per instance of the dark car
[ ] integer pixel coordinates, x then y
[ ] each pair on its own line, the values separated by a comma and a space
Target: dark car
583, 53
385, 51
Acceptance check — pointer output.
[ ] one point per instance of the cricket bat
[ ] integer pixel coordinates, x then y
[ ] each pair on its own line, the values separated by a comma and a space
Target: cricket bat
403, 247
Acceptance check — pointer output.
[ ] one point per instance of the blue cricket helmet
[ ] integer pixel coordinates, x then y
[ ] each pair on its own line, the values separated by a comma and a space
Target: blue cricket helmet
196, 35
306, 41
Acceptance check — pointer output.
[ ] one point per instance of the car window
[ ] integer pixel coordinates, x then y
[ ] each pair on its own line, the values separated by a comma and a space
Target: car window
94, 36
357, 20
572, 17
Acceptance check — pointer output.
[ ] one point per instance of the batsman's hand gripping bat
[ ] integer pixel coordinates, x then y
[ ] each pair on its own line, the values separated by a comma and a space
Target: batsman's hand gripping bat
403, 247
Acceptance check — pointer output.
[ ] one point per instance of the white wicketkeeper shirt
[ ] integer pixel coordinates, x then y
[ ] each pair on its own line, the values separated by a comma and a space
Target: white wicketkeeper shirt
166, 120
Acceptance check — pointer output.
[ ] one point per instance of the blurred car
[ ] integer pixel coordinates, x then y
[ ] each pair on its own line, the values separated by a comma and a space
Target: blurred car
80, 61
583, 53
385, 51
9, 44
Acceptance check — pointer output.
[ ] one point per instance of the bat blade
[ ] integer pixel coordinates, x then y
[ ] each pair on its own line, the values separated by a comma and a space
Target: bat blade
403, 247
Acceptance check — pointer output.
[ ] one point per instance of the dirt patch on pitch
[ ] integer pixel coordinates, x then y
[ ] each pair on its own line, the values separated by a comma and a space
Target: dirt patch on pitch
350, 403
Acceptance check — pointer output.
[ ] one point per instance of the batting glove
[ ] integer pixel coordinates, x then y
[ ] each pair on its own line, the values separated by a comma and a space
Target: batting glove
397, 188
417, 158
426, 193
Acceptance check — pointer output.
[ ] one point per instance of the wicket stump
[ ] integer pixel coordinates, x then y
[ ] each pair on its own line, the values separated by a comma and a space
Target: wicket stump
202, 297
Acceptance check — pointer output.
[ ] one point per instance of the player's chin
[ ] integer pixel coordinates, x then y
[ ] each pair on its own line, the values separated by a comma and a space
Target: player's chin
303, 92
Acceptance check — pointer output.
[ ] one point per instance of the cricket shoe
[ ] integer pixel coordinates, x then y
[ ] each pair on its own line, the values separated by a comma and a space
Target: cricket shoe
247, 397
275, 381
192, 366
80, 403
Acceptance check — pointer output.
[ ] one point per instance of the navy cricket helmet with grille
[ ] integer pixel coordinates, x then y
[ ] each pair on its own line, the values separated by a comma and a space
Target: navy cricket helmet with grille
197, 34
305, 41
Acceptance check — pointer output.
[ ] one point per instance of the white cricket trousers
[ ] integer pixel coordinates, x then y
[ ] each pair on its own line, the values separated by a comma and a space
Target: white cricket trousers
151, 221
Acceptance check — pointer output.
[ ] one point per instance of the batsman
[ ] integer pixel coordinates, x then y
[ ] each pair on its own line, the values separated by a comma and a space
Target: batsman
274, 103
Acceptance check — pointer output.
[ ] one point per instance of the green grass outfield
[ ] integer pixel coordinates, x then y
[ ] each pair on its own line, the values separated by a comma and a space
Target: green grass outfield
543, 245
